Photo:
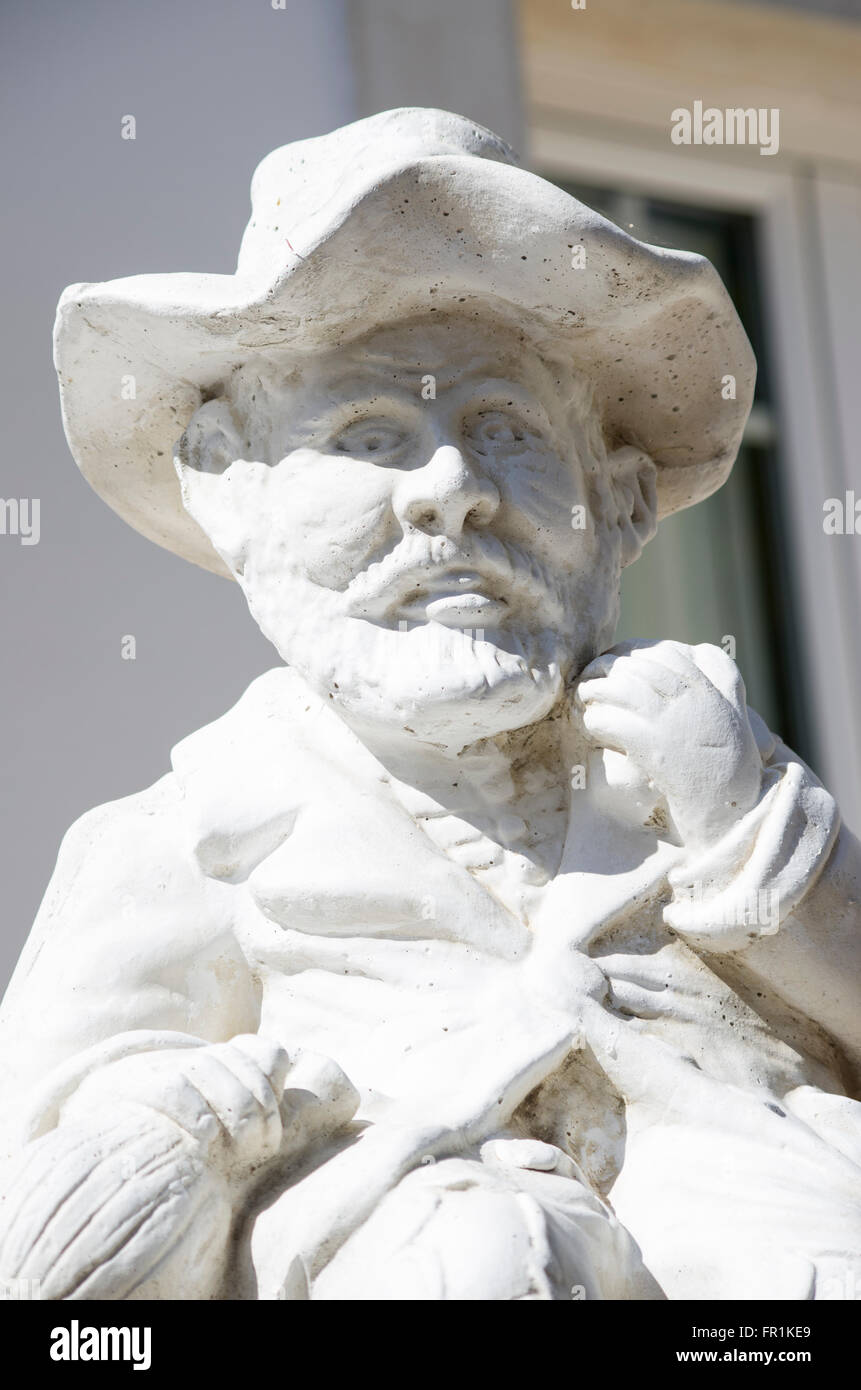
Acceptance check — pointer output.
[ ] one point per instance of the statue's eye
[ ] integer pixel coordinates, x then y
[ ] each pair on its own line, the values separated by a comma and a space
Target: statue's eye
372, 439
491, 431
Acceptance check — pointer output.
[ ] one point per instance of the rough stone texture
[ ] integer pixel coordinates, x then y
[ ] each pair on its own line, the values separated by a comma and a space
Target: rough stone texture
467, 956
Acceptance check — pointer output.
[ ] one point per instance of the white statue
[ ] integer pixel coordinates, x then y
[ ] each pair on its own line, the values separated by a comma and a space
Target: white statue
464, 958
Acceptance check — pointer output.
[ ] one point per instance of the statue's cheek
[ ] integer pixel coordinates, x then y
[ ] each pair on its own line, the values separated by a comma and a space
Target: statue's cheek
330, 515
544, 497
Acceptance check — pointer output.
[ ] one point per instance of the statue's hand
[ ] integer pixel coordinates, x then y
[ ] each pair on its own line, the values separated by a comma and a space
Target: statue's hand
679, 713
239, 1101
224, 1096
134, 1193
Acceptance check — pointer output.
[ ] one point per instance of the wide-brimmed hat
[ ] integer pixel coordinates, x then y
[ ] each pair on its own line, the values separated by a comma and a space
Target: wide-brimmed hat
405, 212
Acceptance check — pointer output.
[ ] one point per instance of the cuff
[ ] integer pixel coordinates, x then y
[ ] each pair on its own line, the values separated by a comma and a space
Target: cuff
743, 887
43, 1110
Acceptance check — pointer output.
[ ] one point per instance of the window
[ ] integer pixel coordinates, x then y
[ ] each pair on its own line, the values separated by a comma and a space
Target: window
719, 571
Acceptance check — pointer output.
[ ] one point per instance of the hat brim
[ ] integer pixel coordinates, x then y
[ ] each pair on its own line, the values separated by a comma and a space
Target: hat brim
654, 330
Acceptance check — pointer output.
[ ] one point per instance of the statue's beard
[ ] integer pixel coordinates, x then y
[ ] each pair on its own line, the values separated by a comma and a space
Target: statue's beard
445, 685
448, 685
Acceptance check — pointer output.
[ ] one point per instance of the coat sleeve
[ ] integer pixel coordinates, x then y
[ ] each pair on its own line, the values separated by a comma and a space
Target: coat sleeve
780, 894
130, 936
132, 952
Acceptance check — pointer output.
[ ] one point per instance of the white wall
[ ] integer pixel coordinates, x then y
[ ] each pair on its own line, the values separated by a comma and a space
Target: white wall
213, 84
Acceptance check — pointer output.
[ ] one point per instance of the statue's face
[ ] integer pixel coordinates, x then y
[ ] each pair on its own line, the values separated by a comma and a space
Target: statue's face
416, 535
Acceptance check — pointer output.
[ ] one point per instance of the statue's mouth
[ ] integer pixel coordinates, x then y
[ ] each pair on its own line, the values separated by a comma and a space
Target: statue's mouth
475, 586
455, 598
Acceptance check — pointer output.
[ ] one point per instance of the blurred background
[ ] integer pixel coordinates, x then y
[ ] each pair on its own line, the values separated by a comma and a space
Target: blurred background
586, 95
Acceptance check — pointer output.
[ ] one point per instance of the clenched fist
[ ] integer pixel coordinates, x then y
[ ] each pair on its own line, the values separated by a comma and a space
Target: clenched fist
679, 713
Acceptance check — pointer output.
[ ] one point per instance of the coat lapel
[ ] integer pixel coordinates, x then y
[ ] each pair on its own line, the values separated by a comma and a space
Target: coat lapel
283, 798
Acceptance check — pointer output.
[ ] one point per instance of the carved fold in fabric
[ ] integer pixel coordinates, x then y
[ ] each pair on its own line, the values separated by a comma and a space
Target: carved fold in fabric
745, 886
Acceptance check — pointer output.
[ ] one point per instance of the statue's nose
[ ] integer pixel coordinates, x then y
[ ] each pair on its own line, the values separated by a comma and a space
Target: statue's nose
446, 494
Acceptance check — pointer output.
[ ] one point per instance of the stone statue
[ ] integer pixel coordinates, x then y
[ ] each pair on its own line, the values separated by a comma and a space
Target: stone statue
468, 956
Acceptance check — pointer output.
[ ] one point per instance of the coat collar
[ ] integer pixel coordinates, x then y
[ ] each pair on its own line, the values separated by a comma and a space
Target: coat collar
245, 777
281, 792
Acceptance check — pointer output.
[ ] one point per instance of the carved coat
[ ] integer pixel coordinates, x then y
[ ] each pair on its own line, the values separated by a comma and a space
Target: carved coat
274, 881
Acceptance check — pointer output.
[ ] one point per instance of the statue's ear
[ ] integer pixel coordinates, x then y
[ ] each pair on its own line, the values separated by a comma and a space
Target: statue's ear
209, 447
211, 440
635, 502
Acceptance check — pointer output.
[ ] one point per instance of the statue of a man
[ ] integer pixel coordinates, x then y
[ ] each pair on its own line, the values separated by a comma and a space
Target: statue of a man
467, 956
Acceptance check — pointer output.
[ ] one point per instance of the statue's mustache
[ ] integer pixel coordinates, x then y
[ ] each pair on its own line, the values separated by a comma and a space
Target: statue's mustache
510, 571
